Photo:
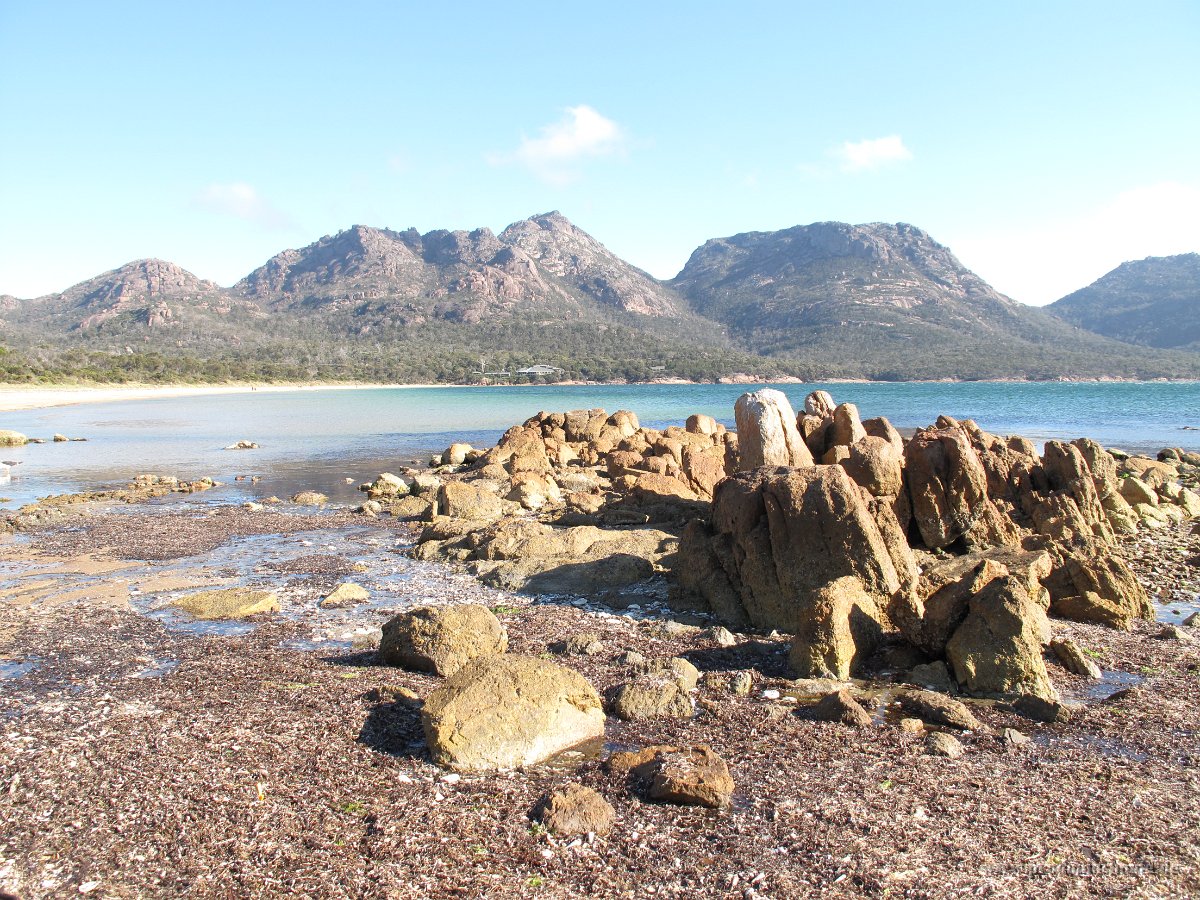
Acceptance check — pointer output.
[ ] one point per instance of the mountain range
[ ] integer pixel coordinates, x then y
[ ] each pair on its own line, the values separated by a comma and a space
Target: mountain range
815, 301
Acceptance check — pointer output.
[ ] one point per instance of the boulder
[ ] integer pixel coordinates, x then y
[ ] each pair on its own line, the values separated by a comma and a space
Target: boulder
881, 428
702, 424
675, 667
938, 743
775, 538
1074, 660
997, 651
840, 626
533, 490
456, 454
1095, 569
948, 486
504, 712
1136, 491
651, 697
227, 603
847, 427
767, 434
928, 616
12, 438
462, 500
820, 404
696, 776
938, 709
386, 486
877, 466
310, 498
576, 809
345, 594
839, 706
441, 639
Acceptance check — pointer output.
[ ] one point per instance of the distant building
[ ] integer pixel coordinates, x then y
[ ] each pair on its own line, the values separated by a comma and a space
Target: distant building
539, 370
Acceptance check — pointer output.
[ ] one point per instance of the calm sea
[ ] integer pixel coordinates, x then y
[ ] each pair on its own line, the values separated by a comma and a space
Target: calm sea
319, 439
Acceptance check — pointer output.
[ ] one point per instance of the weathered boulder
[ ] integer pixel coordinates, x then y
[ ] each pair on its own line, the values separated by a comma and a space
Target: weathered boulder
1097, 570
876, 465
652, 696
948, 487
838, 628
702, 424
463, 500
456, 454
310, 498
1136, 491
345, 594
820, 404
503, 712
227, 603
12, 438
776, 537
938, 709
1074, 660
847, 427
576, 809
997, 651
533, 490
441, 639
695, 776
767, 434
839, 706
881, 428
938, 743
386, 486
928, 616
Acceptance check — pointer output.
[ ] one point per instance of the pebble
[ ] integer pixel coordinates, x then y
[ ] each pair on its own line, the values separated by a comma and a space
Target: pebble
770, 694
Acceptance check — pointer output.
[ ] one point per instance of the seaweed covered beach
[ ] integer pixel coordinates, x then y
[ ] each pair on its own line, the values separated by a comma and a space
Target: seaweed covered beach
149, 753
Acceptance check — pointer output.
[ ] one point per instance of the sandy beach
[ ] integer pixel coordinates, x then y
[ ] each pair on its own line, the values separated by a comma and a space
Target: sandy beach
39, 397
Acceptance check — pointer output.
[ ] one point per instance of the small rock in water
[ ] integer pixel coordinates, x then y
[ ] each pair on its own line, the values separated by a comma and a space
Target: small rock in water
1074, 660
346, 594
938, 743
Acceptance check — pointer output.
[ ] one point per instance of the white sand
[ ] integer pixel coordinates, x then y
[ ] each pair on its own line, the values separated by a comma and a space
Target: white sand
24, 397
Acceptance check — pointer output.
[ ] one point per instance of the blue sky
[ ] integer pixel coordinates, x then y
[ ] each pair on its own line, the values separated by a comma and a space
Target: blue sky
1043, 143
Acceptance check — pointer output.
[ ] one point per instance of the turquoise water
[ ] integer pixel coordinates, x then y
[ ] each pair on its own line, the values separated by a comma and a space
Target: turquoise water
319, 439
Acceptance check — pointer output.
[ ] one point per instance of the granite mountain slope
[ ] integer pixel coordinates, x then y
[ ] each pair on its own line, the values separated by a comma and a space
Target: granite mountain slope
825, 300
891, 292
1154, 302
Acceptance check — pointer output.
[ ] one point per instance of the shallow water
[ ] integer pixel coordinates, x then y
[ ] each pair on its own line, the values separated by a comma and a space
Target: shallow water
319, 439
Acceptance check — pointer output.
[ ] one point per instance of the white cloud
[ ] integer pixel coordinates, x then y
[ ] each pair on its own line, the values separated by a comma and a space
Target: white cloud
556, 152
242, 201
1039, 262
865, 156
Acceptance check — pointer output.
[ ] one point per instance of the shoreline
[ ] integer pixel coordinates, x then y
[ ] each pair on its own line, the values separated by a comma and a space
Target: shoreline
19, 398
